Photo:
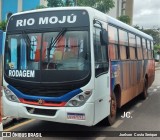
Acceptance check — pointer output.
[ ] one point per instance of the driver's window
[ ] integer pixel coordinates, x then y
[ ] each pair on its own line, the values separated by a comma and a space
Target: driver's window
100, 53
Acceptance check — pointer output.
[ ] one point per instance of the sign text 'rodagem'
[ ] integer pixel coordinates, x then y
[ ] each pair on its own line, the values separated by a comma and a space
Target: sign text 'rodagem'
21, 73
47, 20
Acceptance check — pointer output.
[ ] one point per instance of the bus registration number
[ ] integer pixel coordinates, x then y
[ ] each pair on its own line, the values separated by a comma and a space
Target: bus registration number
75, 116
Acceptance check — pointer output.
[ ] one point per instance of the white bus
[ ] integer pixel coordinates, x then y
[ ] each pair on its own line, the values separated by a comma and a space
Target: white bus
73, 65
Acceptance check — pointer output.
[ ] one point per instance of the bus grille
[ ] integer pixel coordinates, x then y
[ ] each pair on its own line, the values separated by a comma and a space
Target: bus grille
37, 111
43, 91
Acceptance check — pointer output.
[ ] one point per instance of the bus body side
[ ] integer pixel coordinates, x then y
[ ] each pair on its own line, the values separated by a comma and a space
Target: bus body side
132, 62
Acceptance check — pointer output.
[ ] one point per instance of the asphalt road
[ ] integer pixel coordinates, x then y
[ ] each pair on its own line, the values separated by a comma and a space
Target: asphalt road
142, 115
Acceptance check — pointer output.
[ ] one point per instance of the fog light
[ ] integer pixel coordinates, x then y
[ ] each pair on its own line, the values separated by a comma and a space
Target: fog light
12, 97
81, 97
74, 103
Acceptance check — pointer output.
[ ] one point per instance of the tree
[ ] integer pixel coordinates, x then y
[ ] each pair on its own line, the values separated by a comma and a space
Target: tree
157, 48
41, 7
3, 25
124, 18
55, 3
102, 5
154, 32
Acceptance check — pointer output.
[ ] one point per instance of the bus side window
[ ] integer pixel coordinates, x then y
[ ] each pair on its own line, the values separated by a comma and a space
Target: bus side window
139, 48
152, 49
100, 53
124, 48
113, 43
149, 50
132, 46
145, 52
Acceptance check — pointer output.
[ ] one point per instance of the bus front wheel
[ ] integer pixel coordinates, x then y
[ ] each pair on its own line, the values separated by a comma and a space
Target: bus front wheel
113, 110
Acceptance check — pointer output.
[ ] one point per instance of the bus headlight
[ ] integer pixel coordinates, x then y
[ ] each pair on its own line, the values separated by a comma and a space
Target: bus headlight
10, 96
79, 99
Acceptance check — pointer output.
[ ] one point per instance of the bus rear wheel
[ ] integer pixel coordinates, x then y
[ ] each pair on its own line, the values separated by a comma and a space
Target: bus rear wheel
144, 94
113, 110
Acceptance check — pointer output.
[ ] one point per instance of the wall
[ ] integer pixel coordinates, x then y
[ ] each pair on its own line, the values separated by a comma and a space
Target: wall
8, 7
30, 4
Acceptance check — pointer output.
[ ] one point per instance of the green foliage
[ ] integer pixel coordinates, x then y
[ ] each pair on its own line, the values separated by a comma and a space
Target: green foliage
3, 25
155, 33
157, 48
137, 27
55, 3
124, 18
102, 5
41, 7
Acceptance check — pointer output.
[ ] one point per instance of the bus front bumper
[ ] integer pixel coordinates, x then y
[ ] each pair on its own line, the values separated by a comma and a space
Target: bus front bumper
83, 115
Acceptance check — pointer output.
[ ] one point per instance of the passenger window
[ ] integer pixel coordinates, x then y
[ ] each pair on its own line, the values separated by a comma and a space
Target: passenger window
139, 48
149, 49
145, 51
124, 48
113, 43
132, 46
113, 34
123, 38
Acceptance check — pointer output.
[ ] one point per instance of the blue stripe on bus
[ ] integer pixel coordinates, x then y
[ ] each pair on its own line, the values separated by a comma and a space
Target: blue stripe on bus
63, 98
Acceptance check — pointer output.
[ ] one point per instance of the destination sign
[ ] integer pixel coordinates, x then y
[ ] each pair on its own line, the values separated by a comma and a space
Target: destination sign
48, 19
21, 73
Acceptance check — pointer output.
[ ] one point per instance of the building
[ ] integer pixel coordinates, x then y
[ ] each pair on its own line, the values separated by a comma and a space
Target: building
122, 7
14, 6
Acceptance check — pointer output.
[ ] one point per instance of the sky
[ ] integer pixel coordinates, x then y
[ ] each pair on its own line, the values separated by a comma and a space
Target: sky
147, 13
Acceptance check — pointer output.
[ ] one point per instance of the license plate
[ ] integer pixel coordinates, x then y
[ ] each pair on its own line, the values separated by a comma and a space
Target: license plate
75, 116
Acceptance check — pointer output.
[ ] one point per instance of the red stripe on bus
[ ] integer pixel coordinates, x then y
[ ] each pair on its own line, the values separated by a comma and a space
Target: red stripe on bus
61, 104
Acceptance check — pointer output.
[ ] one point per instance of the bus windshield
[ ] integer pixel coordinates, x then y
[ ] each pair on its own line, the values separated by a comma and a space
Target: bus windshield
66, 50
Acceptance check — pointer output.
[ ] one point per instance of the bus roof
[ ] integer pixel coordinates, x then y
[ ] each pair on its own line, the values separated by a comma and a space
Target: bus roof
94, 14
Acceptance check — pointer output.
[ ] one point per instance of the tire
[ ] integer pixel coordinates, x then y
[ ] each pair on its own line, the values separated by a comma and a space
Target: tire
144, 94
108, 121
113, 110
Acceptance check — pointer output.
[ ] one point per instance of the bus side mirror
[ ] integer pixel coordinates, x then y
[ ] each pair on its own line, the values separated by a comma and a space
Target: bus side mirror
104, 37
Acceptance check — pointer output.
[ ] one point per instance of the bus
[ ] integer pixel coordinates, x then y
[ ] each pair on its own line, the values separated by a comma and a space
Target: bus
73, 65
2, 38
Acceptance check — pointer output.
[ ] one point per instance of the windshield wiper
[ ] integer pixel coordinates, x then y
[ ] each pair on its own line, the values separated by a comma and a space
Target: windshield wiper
53, 42
26, 38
